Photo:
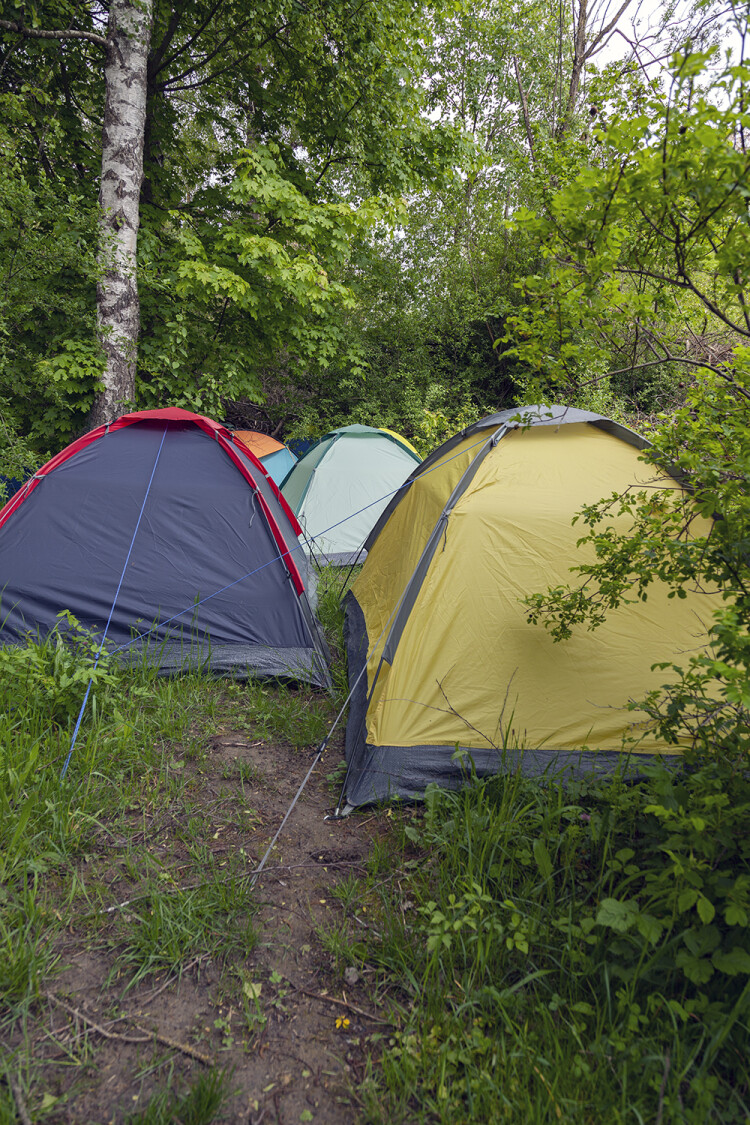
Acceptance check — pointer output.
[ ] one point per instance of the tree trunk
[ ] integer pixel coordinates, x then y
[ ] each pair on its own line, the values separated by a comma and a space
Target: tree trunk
117, 308
579, 58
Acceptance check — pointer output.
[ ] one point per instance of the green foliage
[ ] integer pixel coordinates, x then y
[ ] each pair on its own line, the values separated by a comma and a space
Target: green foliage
434, 295
53, 674
50, 365
245, 225
571, 954
199, 1106
43, 686
644, 244
271, 266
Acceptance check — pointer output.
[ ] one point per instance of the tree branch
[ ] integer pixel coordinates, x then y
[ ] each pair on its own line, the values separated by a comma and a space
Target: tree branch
217, 50
593, 47
34, 33
525, 108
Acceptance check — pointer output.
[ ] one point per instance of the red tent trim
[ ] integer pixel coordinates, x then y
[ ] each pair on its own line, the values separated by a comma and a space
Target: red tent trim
209, 426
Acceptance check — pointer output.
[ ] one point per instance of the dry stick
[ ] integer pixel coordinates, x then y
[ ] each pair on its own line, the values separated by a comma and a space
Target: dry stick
79, 1015
149, 1033
341, 1004
185, 1048
15, 1089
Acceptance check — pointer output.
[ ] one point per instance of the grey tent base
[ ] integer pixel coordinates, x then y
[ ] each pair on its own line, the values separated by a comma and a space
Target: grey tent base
239, 662
382, 773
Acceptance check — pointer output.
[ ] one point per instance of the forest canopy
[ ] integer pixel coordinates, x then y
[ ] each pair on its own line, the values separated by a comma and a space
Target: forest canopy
403, 213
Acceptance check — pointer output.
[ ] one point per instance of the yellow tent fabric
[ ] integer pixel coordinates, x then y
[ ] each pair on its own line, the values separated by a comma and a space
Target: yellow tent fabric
465, 668
401, 440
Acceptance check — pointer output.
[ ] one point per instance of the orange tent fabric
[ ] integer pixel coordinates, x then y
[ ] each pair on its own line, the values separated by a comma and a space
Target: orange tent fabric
260, 444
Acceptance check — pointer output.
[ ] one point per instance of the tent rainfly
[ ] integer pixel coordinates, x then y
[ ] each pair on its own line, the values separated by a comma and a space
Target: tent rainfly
436, 614
340, 487
277, 459
164, 530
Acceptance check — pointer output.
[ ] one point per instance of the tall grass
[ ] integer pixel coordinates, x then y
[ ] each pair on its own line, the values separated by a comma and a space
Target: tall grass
122, 764
137, 732
553, 962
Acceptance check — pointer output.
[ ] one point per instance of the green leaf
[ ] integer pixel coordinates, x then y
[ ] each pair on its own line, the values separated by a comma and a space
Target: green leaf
649, 927
542, 857
735, 915
706, 910
617, 915
687, 899
736, 961
697, 969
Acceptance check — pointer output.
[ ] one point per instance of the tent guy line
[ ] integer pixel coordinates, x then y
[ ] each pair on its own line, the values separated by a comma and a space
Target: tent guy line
194, 605
112, 608
337, 815
276, 558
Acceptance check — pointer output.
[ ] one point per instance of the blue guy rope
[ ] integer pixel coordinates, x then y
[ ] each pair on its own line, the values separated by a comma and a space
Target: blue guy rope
286, 554
112, 610
194, 605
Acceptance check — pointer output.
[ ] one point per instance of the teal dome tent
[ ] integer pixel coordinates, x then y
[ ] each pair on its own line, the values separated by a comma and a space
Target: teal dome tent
340, 487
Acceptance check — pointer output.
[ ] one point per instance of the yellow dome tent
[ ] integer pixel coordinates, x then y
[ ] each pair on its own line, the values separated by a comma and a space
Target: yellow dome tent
437, 614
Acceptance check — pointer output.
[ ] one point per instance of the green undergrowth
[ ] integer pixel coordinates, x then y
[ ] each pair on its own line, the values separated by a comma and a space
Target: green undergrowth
199, 1106
571, 954
136, 734
138, 855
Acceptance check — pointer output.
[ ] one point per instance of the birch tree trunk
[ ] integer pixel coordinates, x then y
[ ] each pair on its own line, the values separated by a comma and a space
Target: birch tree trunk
117, 308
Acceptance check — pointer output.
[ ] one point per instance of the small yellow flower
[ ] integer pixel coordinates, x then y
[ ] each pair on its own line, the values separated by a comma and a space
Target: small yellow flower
342, 1023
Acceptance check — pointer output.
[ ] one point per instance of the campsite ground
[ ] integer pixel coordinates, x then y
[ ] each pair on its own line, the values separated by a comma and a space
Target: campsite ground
461, 962
282, 1017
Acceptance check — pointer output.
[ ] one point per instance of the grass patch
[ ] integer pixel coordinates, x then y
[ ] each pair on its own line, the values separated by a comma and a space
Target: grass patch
284, 714
165, 928
572, 954
199, 1106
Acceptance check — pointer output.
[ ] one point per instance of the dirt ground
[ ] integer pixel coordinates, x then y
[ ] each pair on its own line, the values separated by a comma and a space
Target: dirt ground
104, 1053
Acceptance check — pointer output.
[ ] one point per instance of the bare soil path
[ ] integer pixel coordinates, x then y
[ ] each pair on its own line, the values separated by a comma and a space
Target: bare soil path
288, 1020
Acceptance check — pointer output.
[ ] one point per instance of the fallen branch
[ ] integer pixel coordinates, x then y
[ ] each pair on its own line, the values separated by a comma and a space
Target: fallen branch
341, 1004
148, 1033
15, 1089
79, 1015
175, 1044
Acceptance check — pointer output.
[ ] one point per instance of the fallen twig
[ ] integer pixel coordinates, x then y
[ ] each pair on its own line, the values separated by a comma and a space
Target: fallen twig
341, 1004
148, 1033
175, 1044
78, 1014
15, 1089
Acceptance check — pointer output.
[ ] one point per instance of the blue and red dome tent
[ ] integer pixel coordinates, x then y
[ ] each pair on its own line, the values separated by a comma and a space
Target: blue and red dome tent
163, 535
